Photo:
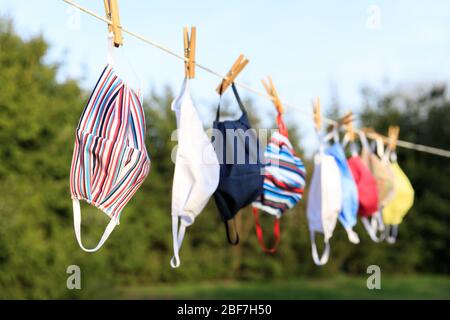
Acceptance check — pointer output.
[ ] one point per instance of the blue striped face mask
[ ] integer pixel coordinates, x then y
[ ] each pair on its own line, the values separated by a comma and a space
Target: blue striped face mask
284, 182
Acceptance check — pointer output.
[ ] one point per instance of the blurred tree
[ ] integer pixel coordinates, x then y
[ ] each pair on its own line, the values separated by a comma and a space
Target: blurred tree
38, 116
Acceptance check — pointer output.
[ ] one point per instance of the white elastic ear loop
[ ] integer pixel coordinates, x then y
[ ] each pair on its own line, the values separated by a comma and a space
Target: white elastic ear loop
315, 255
110, 49
378, 224
345, 142
77, 226
393, 156
391, 238
333, 134
352, 236
363, 139
178, 236
370, 229
380, 147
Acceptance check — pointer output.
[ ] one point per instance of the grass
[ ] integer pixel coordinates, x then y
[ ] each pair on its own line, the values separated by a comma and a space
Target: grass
340, 287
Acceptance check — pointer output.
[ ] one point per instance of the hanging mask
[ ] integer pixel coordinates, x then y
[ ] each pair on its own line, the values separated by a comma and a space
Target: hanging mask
324, 202
367, 191
349, 211
401, 203
284, 182
110, 160
382, 173
241, 178
197, 169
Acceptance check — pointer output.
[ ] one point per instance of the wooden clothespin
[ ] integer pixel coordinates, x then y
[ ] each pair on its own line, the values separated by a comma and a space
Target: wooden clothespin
316, 114
189, 51
112, 14
272, 92
236, 68
372, 134
393, 133
347, 120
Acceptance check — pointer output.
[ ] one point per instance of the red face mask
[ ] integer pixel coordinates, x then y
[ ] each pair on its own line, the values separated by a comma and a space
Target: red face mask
367, 187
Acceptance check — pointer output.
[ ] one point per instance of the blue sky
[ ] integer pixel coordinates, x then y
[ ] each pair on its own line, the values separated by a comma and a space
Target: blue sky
308, 47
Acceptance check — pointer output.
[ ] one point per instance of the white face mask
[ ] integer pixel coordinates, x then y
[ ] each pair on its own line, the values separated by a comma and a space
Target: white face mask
324, 202
197, 169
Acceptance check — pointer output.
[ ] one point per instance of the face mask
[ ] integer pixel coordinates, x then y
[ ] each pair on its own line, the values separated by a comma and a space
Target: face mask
241, 179
384, 184
401, 203
284, 182
383, 174
110, 160
349, 211
324, 203
197, 169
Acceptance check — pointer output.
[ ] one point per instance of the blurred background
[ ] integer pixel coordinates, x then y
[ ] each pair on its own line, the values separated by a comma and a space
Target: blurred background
387, 62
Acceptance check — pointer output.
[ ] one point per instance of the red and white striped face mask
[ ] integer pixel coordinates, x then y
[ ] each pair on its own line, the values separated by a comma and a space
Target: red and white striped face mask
110, 160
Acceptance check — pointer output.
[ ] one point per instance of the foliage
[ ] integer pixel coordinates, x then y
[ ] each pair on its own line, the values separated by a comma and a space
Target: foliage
38, 116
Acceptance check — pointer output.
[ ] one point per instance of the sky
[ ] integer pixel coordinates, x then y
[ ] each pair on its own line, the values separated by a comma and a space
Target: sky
310, 48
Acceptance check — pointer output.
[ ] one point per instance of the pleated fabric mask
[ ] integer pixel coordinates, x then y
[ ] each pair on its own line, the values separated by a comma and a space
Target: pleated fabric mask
110, 160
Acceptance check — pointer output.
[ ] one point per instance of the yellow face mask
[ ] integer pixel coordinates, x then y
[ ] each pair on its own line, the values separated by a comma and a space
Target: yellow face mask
398, 207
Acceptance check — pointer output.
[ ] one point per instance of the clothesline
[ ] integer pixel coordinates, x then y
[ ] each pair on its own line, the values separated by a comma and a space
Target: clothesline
400, 143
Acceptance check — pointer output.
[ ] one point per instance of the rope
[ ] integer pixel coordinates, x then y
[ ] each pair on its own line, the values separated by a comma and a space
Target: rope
400, 143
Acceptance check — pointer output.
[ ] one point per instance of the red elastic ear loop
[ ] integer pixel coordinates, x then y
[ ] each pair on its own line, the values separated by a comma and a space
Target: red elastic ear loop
281, 125
259, 233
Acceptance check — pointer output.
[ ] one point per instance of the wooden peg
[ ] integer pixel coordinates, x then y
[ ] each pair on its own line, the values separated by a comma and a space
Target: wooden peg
190, 42
372, 134
272, 92
393, 133
236, 68
316, 114
347, 118
112, 13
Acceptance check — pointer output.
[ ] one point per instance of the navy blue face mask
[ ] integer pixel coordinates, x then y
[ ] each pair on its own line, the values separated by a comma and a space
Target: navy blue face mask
241, 179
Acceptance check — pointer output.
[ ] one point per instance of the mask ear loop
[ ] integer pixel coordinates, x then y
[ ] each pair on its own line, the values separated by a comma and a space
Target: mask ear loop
259, 233
352, 236
391, 233
333, 134
77, 226
371, 227
380, 148
376, 222
363, 139
393, 156
178, 236
315, 255
227, 230
352, 146
110, 56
